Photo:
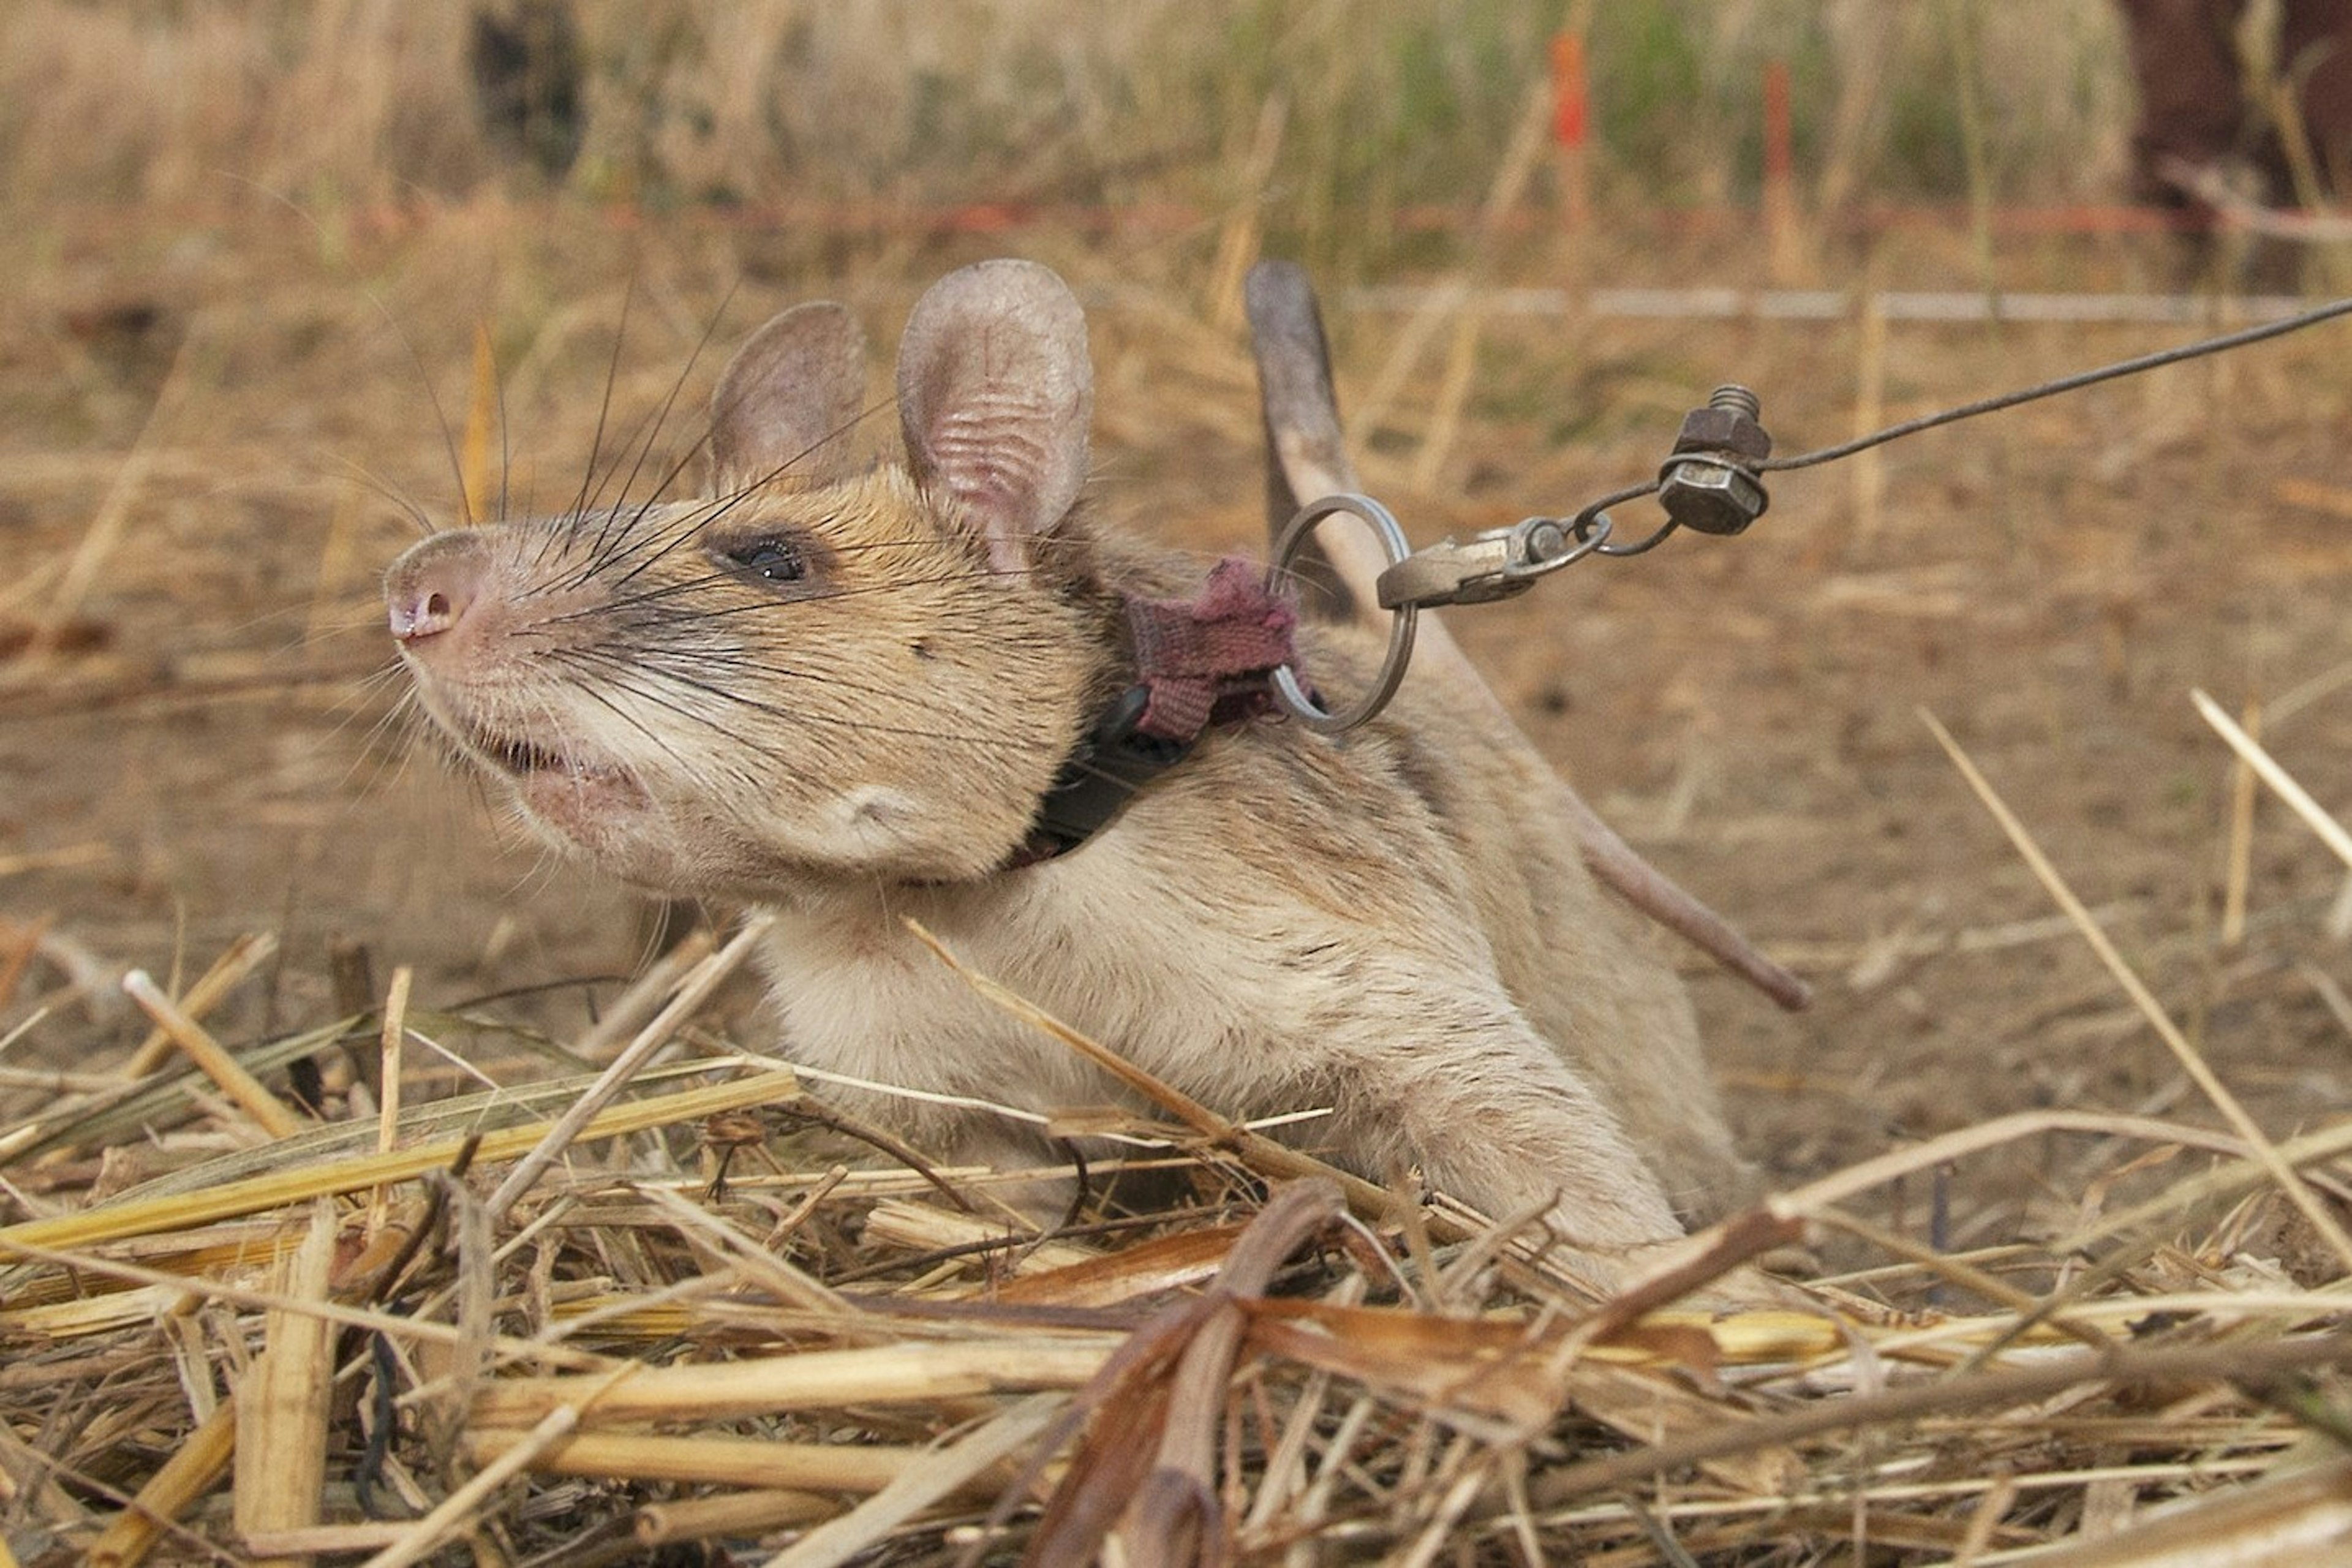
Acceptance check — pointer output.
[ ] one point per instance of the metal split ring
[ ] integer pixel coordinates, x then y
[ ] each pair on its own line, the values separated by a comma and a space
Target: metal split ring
1293, 696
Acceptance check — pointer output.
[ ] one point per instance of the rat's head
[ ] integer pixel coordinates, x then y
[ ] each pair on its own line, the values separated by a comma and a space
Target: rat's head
825, 672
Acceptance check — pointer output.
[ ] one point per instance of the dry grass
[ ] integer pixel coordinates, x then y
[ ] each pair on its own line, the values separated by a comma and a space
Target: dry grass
689, 1333
1385, 105
2059, 1219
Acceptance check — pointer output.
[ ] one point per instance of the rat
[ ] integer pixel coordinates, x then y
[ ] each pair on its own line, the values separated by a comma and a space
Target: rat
849, 693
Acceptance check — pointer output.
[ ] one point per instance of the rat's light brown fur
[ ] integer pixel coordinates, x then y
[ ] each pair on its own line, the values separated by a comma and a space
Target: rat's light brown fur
840, 694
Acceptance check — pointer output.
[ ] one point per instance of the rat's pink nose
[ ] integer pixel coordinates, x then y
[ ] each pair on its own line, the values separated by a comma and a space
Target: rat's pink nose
430, 590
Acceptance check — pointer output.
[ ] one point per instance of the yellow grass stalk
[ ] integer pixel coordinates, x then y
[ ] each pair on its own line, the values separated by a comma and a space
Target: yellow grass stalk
252, 1248
1443, 300
2298, 1192
44, 1080
2206, 1469
187, 1475
211, 1058
26, 940
2311, 1148
683, 1309
755, 1261
1237, 241
731, 1514
1951, 1269
2007, 1386
574, 1121
1869, 413
388, 1057
105, 530
707, 1461
328, 607
182, 1211
2241, 837
1801, 1203
1521, 157
1451, 397
84, 854
481, 419
643, 997
281, 1440
95, 1314
2303, 1516
427, 1534
919, 1227
2314, 816
815, 1380
755, 1258
939, 1475
2334, 500
1984, 1520
396, 1029
327, 1539
423, 1331
239, 959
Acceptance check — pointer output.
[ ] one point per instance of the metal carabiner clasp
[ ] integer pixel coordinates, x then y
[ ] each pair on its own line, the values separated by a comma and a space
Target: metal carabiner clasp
1475, 571
1487, 566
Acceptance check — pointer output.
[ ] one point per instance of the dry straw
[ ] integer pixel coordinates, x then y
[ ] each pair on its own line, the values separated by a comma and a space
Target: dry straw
1267, 1371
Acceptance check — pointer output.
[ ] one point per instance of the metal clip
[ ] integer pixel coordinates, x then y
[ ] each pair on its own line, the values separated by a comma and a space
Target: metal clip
1711, 483
1486, 567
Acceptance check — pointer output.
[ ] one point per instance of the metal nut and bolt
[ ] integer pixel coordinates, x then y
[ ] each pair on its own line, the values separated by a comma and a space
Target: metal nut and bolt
1705, 485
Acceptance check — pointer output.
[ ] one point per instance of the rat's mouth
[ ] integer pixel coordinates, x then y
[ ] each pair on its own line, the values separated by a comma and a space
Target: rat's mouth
563, 788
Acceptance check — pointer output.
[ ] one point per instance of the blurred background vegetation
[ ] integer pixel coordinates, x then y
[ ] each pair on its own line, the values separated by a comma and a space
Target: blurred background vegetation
1343, 118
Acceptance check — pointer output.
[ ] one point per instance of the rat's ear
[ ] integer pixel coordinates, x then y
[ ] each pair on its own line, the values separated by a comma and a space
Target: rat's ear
995, 393
790, 396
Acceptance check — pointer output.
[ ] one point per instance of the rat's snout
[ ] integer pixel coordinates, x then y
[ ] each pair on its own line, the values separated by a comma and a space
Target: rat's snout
428, 590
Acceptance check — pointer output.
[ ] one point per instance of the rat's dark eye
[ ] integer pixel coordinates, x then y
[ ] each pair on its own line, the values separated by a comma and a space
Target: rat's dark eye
769, 559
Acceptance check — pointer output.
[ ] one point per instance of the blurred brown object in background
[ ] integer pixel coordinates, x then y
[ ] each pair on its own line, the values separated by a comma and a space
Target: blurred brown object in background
529, 71
2193, 63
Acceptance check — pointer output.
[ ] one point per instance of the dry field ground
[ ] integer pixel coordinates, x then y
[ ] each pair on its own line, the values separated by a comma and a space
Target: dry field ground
219, 421
208, 496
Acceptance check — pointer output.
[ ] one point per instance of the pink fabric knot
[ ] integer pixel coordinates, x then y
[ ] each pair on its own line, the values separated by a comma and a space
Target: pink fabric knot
1211, 660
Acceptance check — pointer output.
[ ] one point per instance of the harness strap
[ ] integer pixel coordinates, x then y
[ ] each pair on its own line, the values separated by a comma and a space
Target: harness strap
1199, 663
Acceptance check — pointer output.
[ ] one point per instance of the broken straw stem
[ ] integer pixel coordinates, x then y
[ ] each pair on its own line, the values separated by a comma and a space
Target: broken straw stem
2331, 832
251, 1096
615, 1078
